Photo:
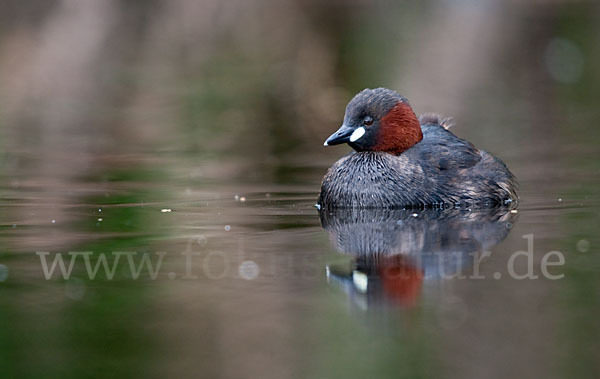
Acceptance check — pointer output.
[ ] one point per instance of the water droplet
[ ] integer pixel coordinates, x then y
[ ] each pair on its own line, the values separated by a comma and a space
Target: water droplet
583, 246
248, 270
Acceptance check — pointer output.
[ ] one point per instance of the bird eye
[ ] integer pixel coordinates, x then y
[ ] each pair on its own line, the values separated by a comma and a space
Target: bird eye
368, 120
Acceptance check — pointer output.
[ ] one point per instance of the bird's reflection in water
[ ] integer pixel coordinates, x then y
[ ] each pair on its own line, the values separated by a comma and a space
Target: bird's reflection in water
395, 252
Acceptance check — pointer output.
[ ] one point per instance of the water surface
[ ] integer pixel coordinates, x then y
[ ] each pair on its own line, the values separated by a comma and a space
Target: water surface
255, 282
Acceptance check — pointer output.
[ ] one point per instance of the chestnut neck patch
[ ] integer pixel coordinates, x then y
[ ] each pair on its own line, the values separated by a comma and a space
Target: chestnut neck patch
398, 130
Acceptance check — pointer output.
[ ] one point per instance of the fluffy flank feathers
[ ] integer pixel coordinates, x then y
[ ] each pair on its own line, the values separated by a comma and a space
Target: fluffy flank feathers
434, 118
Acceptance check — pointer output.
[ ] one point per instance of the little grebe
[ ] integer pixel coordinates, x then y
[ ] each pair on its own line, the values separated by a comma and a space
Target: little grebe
404, 162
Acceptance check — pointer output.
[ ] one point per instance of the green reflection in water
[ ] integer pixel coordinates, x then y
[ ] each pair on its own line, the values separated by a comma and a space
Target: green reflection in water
81, 327
342, 347
579, 330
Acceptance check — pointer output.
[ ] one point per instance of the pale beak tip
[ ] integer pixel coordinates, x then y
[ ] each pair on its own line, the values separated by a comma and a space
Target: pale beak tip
325, 143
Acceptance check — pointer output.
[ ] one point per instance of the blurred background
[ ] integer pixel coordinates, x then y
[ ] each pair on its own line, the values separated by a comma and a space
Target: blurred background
160, 125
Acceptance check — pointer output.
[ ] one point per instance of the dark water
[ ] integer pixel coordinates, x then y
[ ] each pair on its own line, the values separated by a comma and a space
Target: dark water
171, 155
269, 292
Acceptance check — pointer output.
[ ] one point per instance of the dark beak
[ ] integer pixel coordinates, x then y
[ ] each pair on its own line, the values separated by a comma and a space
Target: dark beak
341, 136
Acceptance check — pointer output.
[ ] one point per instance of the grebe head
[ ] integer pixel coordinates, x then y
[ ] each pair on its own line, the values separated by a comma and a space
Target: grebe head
378, 120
